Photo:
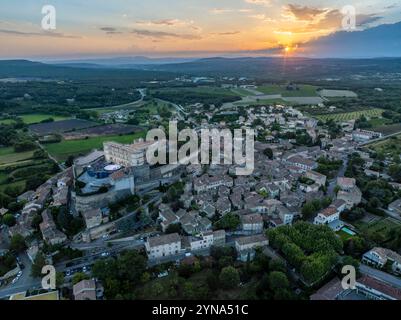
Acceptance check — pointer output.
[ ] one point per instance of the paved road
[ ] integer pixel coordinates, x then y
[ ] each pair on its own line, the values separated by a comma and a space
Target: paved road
35, 284
333, 182
179, 109
396, 282
25, 282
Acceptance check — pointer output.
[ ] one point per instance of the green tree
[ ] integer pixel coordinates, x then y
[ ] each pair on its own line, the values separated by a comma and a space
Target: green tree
174, 228
395, 171
294, 254
350, 261
268, 152
9, 219
229, 278
59, 279
17, 243
277, 265
278, 280
38, 263
78, 277
229, 222
70, 161
308, 210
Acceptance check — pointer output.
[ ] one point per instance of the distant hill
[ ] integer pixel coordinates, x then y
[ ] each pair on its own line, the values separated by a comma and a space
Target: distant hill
381, 41
120, 62
30, 69
284, 68
274, 69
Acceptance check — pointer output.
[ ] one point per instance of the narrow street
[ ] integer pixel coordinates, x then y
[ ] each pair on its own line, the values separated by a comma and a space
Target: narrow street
333, 182
386, 277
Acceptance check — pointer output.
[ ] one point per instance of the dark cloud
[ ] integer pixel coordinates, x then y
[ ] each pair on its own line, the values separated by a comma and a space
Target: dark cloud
364, 19
229, 33
162, 34
333, 19
165, 22
110, 30
303, 13
38, 34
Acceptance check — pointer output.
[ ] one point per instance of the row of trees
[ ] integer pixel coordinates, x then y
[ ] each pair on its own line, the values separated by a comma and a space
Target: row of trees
312, 250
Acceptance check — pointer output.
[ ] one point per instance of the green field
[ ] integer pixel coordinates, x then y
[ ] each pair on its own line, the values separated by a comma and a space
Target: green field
7, 121
34, 118
241, 92
379, 230
12, 166
379, 122
8, 156
19, 184
263, 102
304, 90
370, 113
389, 129
3, 177
63, 149
390, 146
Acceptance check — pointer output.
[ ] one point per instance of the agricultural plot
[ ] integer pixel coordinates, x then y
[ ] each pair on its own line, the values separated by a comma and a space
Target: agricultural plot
370, 113
303, 100
63, 149
16, 168
391, 146
204, 94
61, 126
8, 156
34, 118
262, 102
379, 230
242, 92
304, 90
337, 93
389, 129
104, 130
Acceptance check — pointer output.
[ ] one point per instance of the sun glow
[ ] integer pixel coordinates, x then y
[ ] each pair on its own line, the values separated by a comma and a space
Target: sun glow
288, 50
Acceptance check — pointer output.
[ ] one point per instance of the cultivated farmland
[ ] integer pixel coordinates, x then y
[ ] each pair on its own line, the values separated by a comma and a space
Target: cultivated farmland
63, 149
337, 93
103, 130
303, 90
33, 118
61, 126
346, 116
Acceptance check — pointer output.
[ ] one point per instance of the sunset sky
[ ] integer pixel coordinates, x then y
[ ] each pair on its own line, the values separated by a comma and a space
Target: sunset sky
91, 28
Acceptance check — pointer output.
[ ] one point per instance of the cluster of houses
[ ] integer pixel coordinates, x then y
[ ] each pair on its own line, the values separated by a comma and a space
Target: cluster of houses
348, 196
174, 246
372, 286
53, 193
49, 230
382, 257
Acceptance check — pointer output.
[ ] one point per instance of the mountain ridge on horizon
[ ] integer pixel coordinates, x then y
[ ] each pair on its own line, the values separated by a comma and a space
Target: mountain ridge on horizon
377, 42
